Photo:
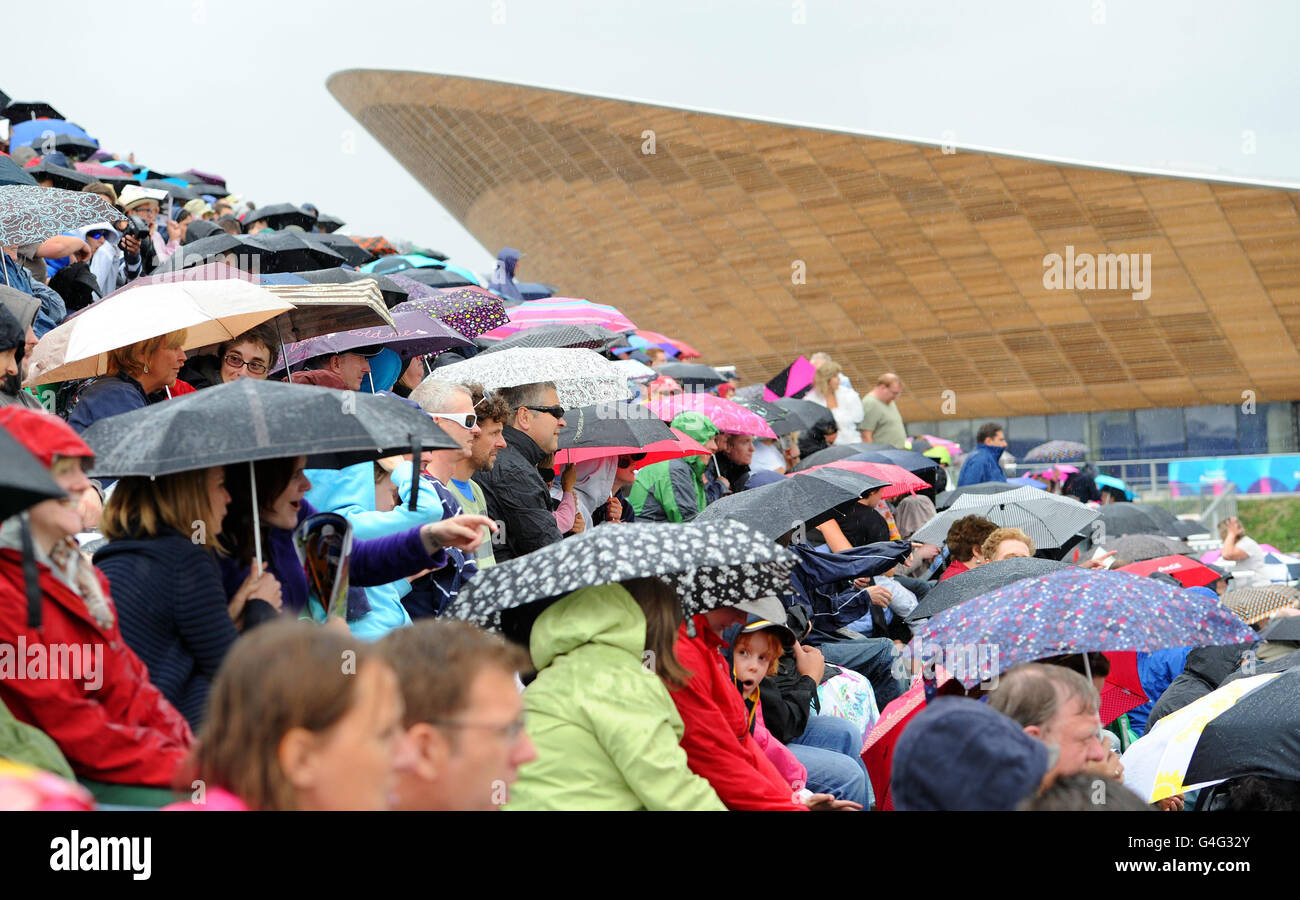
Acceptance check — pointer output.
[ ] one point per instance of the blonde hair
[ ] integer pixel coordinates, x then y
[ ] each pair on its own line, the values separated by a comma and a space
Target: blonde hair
823, 375
133, 358
1005, 534
144, 507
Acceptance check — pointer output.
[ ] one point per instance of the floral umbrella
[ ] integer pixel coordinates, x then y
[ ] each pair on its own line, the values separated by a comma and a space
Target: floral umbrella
470, 310
29, 215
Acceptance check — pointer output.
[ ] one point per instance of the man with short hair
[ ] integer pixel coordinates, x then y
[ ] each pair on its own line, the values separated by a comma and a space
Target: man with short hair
733, 457
350, 365
516, 495
1005, 543
463, 717
981, 464
492, 414
882, 423
1058, 706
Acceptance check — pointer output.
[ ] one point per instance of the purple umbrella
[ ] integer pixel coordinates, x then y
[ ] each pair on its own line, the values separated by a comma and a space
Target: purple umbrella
470, 310
416, 334
1073, 610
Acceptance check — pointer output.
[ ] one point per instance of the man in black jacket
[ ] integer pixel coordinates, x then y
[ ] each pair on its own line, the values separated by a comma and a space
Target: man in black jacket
516, 495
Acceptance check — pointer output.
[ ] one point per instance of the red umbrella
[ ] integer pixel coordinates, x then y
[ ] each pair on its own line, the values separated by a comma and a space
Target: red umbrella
900, 480
1123, 690
878, 748
1188, 571
377, 245
682, 445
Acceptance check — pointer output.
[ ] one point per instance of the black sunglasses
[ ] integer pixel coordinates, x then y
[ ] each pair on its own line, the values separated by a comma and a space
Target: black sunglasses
556, 411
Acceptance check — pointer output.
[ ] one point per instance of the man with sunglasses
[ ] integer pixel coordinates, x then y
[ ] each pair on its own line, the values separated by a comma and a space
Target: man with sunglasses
517, 497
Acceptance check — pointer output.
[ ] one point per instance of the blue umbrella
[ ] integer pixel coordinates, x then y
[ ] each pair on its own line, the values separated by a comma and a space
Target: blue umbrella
30, 133
1077, 610
12, 173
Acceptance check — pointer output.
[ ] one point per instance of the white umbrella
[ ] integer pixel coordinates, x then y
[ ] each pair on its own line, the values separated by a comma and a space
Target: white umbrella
1155, 764
212, 311
581, 377
1049, 519
635, 371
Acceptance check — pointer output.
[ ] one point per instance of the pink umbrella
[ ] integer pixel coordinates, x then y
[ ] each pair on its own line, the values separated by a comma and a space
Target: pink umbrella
792, 381
900, 480
561, 311
98, 170
728, 416
684, 350
953, 447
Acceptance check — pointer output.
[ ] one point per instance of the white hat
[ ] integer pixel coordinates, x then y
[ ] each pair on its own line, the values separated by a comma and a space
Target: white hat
134, 193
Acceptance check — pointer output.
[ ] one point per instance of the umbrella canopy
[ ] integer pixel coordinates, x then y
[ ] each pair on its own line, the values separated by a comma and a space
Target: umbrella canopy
683, 349
592, 427
330, 224
12, 173
195, 176
439, 277
23, 110
1160, 763
1139, 547
948, 498
1255, 604
792, 381
777, 417
1116, 484
836, 452
979, 581
250, 419
278, 215
62, 177
393, 293
1049, 519
213, 271
30, 215
638, 550
677, 445
275, 251
412, 334
562, 311
378, 246
912, 462
1077, 610
325, 308
400, 262
1129, 518
1189, 572
24, 482
581, 377
175, 191
693, 373
212, 311
900, 481
777, 508
44, 133
352, 252
593, 337
729, 417
1282, 628
634, 371
470, 310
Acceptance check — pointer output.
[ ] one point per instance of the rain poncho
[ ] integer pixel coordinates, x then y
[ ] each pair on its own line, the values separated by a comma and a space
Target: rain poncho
502, 282
605, 727
673, 491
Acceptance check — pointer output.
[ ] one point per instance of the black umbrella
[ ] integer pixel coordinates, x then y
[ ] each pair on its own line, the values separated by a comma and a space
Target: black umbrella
352, 252
1167, 523
392, 292
329, 224
808, 414
947, 498
1139, 547
1257, 735
199, 229
175, 191
24, 482
598, 426
248, 419
71, 146
1129, 518
912, 462
61, 176
205, 249
23, 110
638, 550
589, 336
438, 278
1283, 628
278, 215
836, 452
775, 509
12, 173
779, 419
287, 251
980, 580
692, 373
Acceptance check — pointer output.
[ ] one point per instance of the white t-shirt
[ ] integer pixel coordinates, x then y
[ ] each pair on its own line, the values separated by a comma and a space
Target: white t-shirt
767, 458
1254, 561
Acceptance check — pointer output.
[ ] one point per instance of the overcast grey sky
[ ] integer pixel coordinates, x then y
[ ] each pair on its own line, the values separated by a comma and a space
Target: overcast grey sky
238, 86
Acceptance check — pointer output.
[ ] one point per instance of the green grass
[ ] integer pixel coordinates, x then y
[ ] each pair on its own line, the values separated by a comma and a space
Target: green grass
1273, 521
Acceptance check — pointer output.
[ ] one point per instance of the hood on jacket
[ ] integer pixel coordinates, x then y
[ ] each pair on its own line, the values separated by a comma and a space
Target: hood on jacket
114, 236
45, 435
13, 336
702, 429
23, 307
385, 368
333, 489
605, 614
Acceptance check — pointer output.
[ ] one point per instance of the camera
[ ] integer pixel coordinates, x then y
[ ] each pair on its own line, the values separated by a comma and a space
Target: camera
137, 228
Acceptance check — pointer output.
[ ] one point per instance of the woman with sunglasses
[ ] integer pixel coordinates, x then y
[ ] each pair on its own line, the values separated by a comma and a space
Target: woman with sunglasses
252, 354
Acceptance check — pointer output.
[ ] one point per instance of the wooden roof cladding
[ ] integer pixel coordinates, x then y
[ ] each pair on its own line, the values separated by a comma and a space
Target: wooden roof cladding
924, 263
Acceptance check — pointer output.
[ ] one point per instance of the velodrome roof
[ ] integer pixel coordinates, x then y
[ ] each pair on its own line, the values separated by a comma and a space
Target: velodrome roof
920, 261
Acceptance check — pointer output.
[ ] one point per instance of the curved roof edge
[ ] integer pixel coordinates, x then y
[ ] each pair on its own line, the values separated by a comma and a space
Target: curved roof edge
835, 129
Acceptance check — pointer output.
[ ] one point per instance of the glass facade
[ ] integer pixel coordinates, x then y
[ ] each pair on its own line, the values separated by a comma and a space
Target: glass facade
1226, 430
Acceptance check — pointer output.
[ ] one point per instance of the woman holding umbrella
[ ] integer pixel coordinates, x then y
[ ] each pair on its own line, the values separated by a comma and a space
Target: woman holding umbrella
137, 373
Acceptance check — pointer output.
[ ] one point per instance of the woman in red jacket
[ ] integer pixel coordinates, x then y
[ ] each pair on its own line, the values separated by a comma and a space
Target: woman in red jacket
64, 667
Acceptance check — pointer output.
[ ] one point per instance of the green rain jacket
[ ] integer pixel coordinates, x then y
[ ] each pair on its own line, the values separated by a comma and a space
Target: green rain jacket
673, 491
605, 727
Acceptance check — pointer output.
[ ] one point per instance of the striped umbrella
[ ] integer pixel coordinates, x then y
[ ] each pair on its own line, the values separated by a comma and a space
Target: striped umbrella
1057, 451
561, 311
1051, 520
593, 337
729, 417
679, 348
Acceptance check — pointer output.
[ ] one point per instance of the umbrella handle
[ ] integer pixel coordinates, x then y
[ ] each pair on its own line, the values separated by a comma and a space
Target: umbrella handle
415, 472
288, 369
257, 525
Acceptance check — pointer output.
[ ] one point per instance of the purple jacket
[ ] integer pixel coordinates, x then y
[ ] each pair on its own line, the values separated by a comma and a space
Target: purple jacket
376, 561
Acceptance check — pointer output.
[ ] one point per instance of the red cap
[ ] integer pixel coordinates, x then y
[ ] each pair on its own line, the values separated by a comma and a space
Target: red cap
45, 435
